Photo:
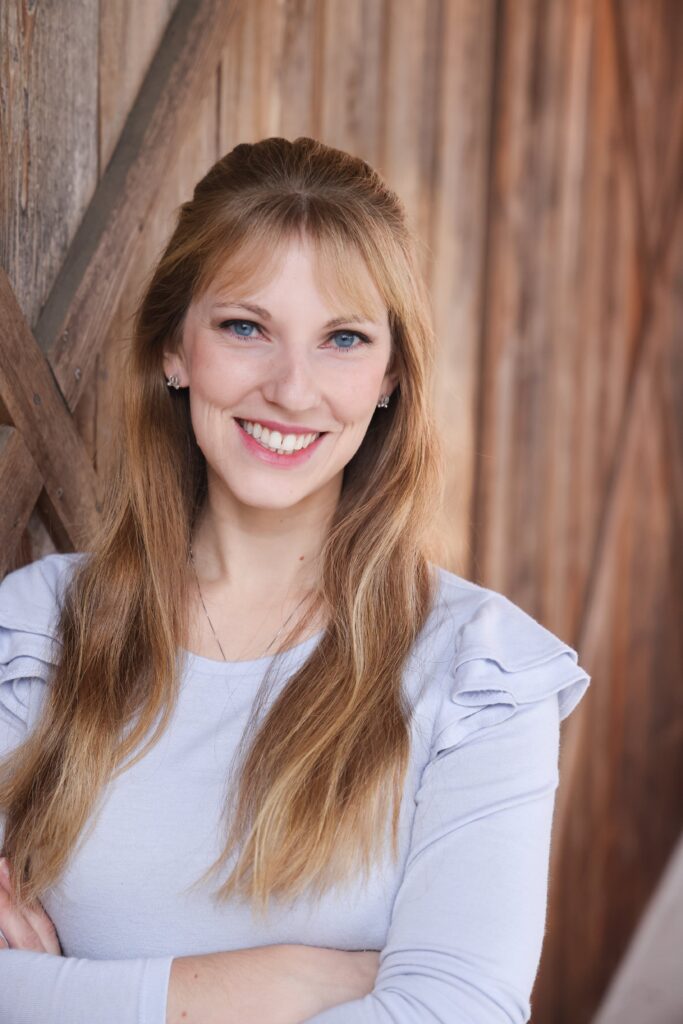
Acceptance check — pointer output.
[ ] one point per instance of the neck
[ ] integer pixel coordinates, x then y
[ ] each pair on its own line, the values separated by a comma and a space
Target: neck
262, 553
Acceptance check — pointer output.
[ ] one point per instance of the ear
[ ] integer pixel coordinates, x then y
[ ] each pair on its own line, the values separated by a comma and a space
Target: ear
174, 362
389, 382
391, 377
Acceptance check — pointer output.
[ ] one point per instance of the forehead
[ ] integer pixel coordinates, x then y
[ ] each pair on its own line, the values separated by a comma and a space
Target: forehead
340, 272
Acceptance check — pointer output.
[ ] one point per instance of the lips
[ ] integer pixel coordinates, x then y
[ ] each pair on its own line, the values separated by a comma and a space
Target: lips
274, 458
282, 428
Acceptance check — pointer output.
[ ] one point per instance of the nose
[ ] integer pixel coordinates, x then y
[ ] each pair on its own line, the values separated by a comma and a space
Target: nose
290, 380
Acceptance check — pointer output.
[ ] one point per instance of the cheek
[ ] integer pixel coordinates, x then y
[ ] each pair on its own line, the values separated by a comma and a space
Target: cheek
356, 400
219, 381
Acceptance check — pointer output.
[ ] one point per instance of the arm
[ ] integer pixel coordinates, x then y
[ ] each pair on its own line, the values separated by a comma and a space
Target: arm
40, 987
281, 984
467, 925
265, 985
278, 984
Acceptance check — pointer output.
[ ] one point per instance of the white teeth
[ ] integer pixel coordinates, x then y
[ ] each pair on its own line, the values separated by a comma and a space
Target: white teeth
274, 441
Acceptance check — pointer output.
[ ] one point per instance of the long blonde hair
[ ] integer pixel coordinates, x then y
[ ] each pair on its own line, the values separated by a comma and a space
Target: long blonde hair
327, 763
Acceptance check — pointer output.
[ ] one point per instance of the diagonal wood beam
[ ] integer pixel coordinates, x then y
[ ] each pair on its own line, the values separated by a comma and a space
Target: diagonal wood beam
19, 499
86, 292
50, 444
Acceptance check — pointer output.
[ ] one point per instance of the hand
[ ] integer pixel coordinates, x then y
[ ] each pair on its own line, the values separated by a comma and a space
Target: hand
29, 929
333, 976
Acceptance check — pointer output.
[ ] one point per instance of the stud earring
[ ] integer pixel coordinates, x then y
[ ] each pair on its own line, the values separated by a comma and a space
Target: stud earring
173, 381
383, 402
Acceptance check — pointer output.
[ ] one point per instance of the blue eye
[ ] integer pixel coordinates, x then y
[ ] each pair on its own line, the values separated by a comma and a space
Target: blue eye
230, 325
351, 334
240, 323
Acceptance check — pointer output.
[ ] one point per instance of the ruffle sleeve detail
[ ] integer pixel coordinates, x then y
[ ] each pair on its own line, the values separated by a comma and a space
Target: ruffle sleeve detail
504, 659
24, 657
29, 647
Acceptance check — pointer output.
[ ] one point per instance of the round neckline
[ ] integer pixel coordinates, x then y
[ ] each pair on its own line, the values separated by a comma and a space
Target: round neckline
200, 663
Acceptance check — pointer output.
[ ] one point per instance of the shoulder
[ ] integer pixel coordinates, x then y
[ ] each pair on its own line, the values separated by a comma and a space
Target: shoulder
498, 660
30, 596
29, 647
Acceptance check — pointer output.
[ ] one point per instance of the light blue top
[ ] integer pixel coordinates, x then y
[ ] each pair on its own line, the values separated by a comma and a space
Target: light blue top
459, 920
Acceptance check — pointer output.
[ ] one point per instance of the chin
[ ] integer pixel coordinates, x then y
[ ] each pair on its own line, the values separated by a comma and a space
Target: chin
274, 498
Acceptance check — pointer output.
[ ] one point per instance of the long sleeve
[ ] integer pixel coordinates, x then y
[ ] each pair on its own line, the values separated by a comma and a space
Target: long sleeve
38, 988
467, 925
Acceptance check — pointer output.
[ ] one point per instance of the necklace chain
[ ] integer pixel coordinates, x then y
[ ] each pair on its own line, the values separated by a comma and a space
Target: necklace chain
208, 617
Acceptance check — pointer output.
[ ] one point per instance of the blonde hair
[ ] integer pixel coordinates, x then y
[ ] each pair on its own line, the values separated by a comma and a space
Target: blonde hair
327, 763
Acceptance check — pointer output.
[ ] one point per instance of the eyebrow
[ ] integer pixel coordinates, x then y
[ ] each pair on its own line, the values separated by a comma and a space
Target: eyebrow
354, 318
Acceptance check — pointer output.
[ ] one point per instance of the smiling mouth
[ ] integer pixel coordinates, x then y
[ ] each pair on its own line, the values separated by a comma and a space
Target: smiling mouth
263, 436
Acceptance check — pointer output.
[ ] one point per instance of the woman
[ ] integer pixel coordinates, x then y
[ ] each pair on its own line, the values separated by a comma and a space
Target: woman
381, 734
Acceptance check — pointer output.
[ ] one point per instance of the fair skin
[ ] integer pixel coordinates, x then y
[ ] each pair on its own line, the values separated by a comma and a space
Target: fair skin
255, 548
256, 544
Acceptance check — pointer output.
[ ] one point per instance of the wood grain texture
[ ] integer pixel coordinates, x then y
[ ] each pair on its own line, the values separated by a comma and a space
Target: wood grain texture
351, 79
650, 41
90, 280
542, 371
458, 196
196, 153
129, 36
413, 57
87, 290
18, 499
620, 809
623, 759
36, 405
267, 72
48, 135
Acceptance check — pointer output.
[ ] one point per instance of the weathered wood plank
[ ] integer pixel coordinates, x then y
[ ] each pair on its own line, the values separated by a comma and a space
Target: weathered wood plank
267, 73
20, 490
37, 408
192, 160
89, 286
621, 754
48, 128
408, 143
458, 197
522, 425
240, 115
130, 33
559, 346
671, 386
650, 38
84, 297
350, 79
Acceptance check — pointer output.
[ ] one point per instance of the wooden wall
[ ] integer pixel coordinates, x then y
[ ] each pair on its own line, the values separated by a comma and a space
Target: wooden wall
538, 145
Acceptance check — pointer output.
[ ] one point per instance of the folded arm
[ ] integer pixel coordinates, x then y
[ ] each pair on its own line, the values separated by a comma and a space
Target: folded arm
467, 927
